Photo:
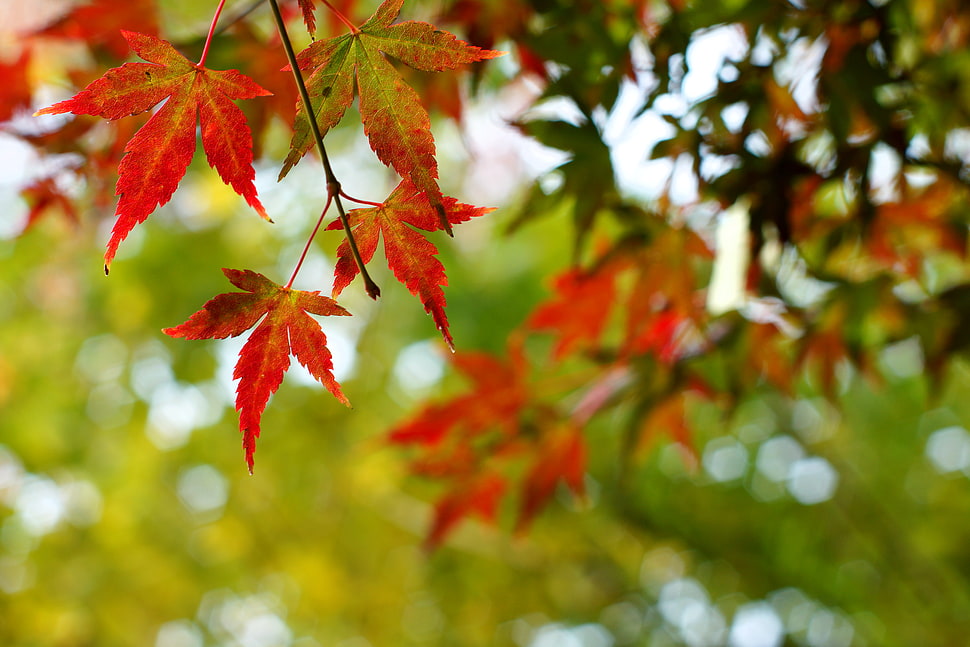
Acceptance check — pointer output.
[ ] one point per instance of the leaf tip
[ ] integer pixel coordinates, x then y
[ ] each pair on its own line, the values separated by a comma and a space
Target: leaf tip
257, 205
490, 53
109, 253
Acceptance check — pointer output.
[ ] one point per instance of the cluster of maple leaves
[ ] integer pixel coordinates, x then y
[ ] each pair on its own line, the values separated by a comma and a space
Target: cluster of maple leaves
398, 128
154, 145
157, 105
634, 314
155, 158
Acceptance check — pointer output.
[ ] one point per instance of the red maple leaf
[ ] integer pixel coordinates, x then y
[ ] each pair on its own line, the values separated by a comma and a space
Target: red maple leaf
286, 329
479, 494
44, 195
395, 122
14, 85
453, 435
497, 396
409, 254
669, 416
157, 156
306, 7
561, 456
580, 310
100, 24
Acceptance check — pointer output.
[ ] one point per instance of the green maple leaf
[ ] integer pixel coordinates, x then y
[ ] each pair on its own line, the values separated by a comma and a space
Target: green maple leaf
395, 122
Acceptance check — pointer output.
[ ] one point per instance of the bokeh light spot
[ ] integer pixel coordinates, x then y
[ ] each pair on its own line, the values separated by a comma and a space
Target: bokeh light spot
949, 449
812, 480
203, 488
756, 625
725, 459
776, 456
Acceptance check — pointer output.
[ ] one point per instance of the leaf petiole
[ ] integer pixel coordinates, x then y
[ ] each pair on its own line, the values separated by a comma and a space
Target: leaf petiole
306, 248
359, 201
240, 15
333, 186
342, 18
212, 31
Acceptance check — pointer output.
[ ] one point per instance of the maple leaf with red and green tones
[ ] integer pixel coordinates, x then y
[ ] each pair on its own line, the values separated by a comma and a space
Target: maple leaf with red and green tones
395, 121
157, 156
409, 254
286, 329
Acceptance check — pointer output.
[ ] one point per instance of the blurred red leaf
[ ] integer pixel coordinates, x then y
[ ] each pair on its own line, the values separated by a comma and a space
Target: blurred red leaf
45, 195
560, 456
496, 398
479, 495
15, 89
100, 24
669, 416
580, 309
